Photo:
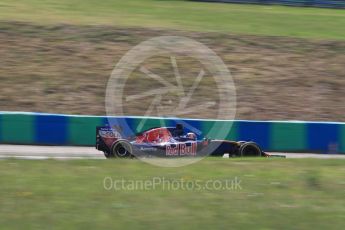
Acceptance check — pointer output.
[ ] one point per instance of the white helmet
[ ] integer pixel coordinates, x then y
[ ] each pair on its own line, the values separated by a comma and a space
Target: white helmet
191, 136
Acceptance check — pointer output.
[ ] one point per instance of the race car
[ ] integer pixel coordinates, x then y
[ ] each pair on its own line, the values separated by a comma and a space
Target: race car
169, 142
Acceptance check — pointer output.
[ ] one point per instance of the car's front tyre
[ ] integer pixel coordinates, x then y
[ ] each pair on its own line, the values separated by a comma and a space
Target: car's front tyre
250, 149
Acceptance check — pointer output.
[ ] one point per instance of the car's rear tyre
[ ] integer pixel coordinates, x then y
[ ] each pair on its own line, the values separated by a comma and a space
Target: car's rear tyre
250, 149
121, 149
107, 154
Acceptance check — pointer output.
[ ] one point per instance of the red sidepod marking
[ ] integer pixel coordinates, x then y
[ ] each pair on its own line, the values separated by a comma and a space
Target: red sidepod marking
181, 149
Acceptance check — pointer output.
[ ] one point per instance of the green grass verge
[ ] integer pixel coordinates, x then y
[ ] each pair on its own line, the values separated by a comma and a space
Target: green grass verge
185, 15
274, 194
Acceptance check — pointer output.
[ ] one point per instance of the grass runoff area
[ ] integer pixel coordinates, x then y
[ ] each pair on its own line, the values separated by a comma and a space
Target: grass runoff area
260, 194
183, 15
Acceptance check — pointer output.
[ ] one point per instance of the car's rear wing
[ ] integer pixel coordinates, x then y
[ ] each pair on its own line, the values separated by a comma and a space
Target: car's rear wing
105, 137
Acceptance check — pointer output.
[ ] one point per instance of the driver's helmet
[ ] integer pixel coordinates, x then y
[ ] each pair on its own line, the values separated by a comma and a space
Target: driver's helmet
191, 136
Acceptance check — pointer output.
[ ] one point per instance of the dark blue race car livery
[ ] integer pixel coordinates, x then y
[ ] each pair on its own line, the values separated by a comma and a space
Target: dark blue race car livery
169, 142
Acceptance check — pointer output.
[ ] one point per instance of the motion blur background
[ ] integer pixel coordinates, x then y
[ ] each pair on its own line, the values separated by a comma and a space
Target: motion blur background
287, 62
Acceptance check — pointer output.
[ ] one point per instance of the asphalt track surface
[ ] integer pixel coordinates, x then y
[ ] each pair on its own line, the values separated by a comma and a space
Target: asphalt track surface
71, 152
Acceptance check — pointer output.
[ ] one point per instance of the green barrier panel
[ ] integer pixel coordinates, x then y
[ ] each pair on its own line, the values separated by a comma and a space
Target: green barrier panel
288, 136
342, 138
82, 130
139, 124
18, 128
23, 128
210, 129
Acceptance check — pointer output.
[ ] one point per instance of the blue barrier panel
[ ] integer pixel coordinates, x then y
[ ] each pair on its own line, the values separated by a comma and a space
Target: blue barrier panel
1, 140
51, 129
189, 126
255, 131
342, 138
323, 137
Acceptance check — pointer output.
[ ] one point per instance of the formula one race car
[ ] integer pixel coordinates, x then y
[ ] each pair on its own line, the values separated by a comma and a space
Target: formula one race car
169, 142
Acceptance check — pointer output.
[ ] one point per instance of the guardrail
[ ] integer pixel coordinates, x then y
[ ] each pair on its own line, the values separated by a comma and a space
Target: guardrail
55, 129
314, 3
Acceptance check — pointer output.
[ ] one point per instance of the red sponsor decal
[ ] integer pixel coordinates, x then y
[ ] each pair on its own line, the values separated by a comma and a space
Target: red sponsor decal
181, 149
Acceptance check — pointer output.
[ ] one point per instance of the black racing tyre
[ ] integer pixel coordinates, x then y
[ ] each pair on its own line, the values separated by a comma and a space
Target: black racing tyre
107, 155
250, 149
121, 149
